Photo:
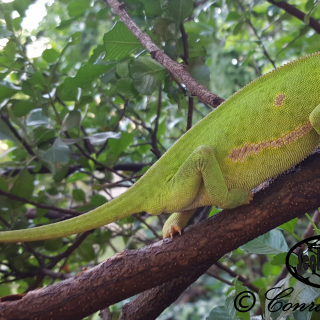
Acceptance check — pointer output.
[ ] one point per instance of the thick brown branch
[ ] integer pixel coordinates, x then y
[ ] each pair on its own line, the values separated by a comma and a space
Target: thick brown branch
131, 272
173, 67
314, 24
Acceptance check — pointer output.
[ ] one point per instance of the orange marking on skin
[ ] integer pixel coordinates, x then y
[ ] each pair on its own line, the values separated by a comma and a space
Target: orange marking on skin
241, 153
279, 100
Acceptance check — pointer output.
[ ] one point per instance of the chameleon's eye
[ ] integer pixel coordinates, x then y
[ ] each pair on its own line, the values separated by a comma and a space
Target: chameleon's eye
279, 100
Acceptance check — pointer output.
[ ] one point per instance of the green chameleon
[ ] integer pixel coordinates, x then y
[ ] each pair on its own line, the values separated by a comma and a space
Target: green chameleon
263, 129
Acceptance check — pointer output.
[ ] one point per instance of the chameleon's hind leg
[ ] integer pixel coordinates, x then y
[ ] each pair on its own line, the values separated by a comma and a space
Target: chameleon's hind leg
315, 118
201, 167
176, 222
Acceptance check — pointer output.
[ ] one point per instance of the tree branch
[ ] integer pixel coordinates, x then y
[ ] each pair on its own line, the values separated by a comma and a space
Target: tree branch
131, 272
178, 70
313, 23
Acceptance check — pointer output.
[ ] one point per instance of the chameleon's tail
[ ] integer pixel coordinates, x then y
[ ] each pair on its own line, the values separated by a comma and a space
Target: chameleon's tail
123, 206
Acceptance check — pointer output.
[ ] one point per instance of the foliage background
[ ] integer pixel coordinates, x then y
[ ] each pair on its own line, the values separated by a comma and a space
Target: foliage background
78, 114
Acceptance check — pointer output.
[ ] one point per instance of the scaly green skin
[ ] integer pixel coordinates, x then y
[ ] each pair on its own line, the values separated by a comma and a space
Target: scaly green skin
265, 128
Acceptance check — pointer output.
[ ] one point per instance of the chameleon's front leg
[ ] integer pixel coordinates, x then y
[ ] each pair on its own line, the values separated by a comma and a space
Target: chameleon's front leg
200, 166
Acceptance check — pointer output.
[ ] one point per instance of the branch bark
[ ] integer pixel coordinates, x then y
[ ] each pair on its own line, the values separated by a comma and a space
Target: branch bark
131, 272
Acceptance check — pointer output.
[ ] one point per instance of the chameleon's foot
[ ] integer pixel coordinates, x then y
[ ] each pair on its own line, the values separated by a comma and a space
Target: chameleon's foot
236, 198
176, 222
171, 230
250, 198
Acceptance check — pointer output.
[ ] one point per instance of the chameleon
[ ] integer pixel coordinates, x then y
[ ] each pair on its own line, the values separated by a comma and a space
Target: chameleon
263, 129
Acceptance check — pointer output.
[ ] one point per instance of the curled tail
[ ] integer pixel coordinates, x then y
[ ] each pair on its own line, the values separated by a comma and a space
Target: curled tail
125, 205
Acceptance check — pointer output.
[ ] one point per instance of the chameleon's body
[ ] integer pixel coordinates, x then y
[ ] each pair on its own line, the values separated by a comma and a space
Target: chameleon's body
265, 128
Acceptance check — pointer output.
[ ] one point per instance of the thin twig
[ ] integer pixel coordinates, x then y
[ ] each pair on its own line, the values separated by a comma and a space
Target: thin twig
185, 44
154, 141
234, 274
313, 23
190, 113
58, 258
147, 225
116, 126
17, 135
258, 37
39, 205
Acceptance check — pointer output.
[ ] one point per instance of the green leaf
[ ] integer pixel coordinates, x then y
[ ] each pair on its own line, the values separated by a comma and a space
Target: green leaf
103, 14
117, 146
9, 53
8, 19
302, 293
152, 8
78, 176
65, 23
37, 78
262, 298
214, 211
86, 252
71, 120
7, 152
122, 69
272, 242
21, 6
56, 156
6, 133
17, 23
290, 225
79, 195
126, 88
119, 42
37, 118
237, 29
67, 92
4, 185
302, 315
229, 305
86, 74
98, 139
280, 259
98, 53
199, 70
75, 38
195, 48
52, 245
50, 55
239, 287
77, 8
219, 313
7, 90
147, 74
98, 200
179, 10
23, 187
22, 108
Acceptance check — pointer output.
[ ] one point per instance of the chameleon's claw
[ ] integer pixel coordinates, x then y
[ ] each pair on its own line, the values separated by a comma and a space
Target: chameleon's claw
250, 198
173, 229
